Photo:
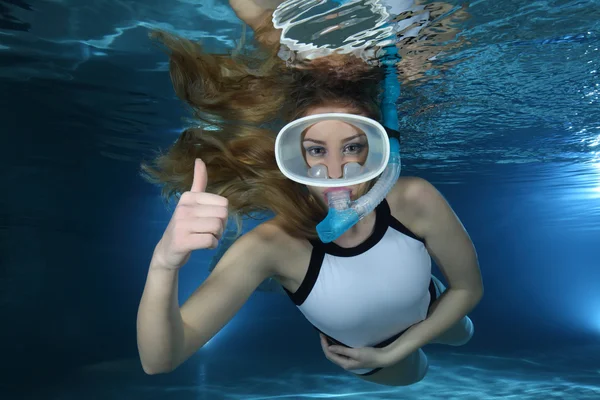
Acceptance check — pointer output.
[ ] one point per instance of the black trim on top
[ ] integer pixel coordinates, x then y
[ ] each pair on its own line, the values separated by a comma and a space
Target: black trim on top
314, 267
399, 226
382, 221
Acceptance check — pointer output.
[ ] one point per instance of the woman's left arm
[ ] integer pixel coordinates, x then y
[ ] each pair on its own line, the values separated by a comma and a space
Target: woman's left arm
450, 246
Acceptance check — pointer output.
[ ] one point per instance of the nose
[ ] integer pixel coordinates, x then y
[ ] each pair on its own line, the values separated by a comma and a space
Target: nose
334, 166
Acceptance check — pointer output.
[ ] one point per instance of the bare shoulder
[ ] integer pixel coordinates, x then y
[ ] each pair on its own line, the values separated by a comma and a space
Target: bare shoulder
267, 231
412, 200
272, 235
412, 192
287, 254
257, 243
263, 242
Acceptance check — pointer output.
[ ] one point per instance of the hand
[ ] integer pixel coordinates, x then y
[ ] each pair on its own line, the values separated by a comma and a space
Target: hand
198, 222
349, 358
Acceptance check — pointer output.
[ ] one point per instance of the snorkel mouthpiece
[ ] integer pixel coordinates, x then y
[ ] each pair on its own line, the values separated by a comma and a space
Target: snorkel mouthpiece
344, 214
340, 218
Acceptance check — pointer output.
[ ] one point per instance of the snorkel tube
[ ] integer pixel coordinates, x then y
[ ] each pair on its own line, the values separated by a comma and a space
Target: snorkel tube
344, 213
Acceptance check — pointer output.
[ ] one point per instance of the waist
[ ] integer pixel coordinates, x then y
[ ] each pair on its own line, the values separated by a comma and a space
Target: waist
390, 340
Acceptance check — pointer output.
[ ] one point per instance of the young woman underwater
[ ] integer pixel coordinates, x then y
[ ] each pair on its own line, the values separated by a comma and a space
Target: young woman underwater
351, 241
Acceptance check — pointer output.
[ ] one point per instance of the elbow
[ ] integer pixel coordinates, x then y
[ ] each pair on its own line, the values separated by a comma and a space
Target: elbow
471, 296
477, 295
157, 369
475, 292
480, 292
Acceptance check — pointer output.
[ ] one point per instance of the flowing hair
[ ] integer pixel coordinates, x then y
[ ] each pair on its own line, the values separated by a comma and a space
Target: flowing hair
238, 101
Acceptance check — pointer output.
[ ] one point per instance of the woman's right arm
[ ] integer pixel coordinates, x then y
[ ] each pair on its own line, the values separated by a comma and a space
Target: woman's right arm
168, 335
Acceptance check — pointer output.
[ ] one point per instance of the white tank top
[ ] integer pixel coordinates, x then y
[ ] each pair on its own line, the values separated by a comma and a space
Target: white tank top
369, 294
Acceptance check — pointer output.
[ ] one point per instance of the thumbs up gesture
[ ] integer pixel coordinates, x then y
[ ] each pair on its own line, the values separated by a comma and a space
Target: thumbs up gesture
198, 222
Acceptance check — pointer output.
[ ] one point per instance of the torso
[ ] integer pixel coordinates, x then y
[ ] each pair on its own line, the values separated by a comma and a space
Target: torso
338, 286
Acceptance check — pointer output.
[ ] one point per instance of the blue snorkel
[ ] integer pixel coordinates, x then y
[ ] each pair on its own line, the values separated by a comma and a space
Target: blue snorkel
343, 214
339, 221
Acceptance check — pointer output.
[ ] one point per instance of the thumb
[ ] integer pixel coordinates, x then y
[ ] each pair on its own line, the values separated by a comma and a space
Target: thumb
200, 176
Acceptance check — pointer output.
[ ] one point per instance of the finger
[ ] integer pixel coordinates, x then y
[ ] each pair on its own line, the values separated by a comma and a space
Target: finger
203, 211
201, 241
344, 351
210, 199
345, 363
200, 176
324, 343
325, 347
213, 226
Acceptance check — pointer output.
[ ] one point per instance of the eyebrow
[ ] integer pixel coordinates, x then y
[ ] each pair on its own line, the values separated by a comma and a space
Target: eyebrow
345, 140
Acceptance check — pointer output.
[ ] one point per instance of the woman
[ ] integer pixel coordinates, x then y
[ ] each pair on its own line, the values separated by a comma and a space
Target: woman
369, 291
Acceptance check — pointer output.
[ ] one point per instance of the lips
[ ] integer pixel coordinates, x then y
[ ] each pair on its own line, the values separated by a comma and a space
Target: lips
337, 189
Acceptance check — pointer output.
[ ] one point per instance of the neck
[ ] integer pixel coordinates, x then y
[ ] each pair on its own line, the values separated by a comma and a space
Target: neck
358, 233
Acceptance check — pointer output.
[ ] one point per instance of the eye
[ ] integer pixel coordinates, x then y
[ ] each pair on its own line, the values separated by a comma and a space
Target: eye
315, 151
354, 148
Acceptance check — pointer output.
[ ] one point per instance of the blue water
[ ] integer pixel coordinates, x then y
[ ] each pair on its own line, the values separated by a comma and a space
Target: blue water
506, 124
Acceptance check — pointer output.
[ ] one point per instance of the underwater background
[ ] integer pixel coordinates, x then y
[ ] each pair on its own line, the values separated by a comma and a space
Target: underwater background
506, 124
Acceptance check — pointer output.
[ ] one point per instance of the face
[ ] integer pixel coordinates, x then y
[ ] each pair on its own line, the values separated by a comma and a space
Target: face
334, 144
